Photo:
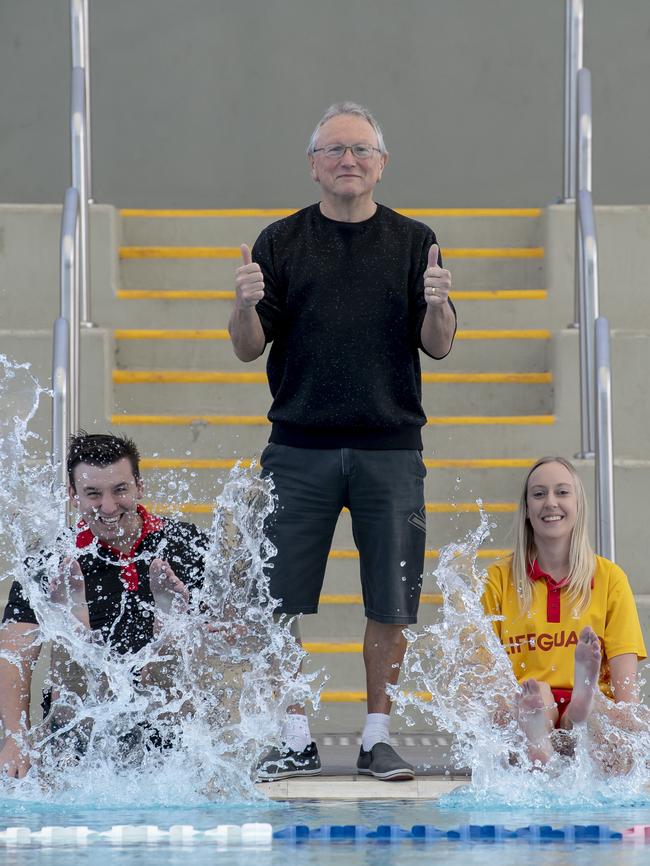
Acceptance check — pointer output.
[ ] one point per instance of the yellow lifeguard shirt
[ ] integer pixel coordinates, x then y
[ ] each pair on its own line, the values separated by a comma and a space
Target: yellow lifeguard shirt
541, 642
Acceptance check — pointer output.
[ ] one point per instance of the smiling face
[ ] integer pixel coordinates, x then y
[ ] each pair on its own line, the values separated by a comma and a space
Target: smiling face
348, 177
107, 498
551, 502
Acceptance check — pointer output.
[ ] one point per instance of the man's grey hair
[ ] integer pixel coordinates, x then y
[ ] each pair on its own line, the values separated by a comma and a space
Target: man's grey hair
347, 108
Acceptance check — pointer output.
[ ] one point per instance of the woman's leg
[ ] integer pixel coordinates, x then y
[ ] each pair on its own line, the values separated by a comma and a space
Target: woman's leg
538, 716
585, 680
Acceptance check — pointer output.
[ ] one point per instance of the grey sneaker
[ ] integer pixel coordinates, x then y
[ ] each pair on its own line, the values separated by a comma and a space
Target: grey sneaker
285, 763
383, 762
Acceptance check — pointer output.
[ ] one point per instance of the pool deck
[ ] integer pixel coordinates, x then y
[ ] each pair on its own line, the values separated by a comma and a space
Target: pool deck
339, 780
359, 788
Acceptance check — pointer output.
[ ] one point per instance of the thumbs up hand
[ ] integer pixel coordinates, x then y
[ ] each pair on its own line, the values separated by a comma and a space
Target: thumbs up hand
249, 281
437, 280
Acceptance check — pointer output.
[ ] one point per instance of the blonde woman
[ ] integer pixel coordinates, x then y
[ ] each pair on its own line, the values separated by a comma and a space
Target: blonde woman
569, 621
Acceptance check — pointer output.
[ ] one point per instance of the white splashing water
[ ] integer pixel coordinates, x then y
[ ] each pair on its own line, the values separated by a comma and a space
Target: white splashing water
220, 676
461, 663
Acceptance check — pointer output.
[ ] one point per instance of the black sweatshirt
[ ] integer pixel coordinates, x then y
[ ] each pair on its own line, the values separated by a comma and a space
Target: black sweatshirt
343, 308
120, 602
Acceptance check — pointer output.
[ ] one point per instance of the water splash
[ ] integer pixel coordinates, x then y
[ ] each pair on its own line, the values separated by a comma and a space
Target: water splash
460, 662
185, 719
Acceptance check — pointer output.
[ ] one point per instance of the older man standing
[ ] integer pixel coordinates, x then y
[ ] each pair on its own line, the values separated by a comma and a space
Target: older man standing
347, 292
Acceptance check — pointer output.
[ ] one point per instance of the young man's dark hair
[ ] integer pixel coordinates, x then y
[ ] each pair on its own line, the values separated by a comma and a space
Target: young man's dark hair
101, 449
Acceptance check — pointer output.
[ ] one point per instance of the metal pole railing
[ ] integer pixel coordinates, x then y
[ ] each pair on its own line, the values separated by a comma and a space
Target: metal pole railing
69, 298
79, 177
60, 428
583, 161
605, 540
79, 18
588, 307
573, 50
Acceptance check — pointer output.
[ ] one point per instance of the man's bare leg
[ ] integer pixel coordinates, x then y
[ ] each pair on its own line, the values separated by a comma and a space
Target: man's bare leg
384, 646
585, 680
537, 717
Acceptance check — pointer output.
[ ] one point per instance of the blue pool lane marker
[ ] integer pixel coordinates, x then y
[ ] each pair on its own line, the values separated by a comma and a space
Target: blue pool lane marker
263, 835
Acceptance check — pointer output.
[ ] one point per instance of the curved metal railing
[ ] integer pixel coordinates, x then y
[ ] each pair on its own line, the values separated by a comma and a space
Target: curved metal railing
60, 402
587, 315
74, 249
573, 42
79, 161
595, 367
81, 60
605, 529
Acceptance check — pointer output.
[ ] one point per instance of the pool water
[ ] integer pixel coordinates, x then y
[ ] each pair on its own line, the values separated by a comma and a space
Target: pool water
370, 813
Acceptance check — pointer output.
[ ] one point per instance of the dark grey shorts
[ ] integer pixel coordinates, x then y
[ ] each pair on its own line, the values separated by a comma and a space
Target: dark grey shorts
384, 491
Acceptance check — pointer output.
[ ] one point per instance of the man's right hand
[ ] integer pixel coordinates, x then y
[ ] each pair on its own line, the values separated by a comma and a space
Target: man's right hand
13, 761
249, 281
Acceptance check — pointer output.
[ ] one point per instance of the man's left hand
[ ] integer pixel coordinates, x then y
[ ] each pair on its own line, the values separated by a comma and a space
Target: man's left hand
437, 280
166, 588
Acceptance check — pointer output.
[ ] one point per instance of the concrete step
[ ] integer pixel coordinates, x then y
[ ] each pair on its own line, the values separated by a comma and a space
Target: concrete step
449, 398
444, 527
452, 482
218, 274
514, 309
193, 436
462, 228
523, 350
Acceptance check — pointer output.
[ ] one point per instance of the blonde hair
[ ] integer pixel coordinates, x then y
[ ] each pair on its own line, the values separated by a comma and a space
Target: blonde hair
581, 555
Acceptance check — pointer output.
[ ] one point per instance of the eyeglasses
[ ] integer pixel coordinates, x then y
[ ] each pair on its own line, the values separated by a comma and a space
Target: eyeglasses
336, 151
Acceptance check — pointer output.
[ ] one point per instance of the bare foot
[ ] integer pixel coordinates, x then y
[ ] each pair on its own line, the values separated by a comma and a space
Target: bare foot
534, 721
585, 681
166, 588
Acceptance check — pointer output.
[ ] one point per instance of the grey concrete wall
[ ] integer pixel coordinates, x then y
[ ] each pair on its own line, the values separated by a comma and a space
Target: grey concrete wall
209, 103
623, 264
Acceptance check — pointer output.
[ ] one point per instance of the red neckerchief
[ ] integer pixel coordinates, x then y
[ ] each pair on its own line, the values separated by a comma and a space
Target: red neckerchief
128, 571
552, 590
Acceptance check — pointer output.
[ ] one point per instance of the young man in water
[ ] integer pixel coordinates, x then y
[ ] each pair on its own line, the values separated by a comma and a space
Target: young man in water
130, 563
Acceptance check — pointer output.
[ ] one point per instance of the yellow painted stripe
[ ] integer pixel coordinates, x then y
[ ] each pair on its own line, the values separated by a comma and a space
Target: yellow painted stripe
138, 252
219, 212
171, 334
186, 463
493, 252
489, 420
185, 420
430, 463
431, 507
264, 212
500, 295
255, 420
227, 295
356, 598
222, 334
180, 252
212, 377
470, 507
471, 212
333, 647
512, 334
336, 697
429, 554
174, 295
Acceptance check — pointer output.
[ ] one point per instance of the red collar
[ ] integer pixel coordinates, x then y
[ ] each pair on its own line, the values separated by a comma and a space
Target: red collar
128, 571
536, 573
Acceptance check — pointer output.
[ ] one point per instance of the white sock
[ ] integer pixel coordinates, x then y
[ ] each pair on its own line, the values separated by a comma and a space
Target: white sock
376, 730
295, 732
